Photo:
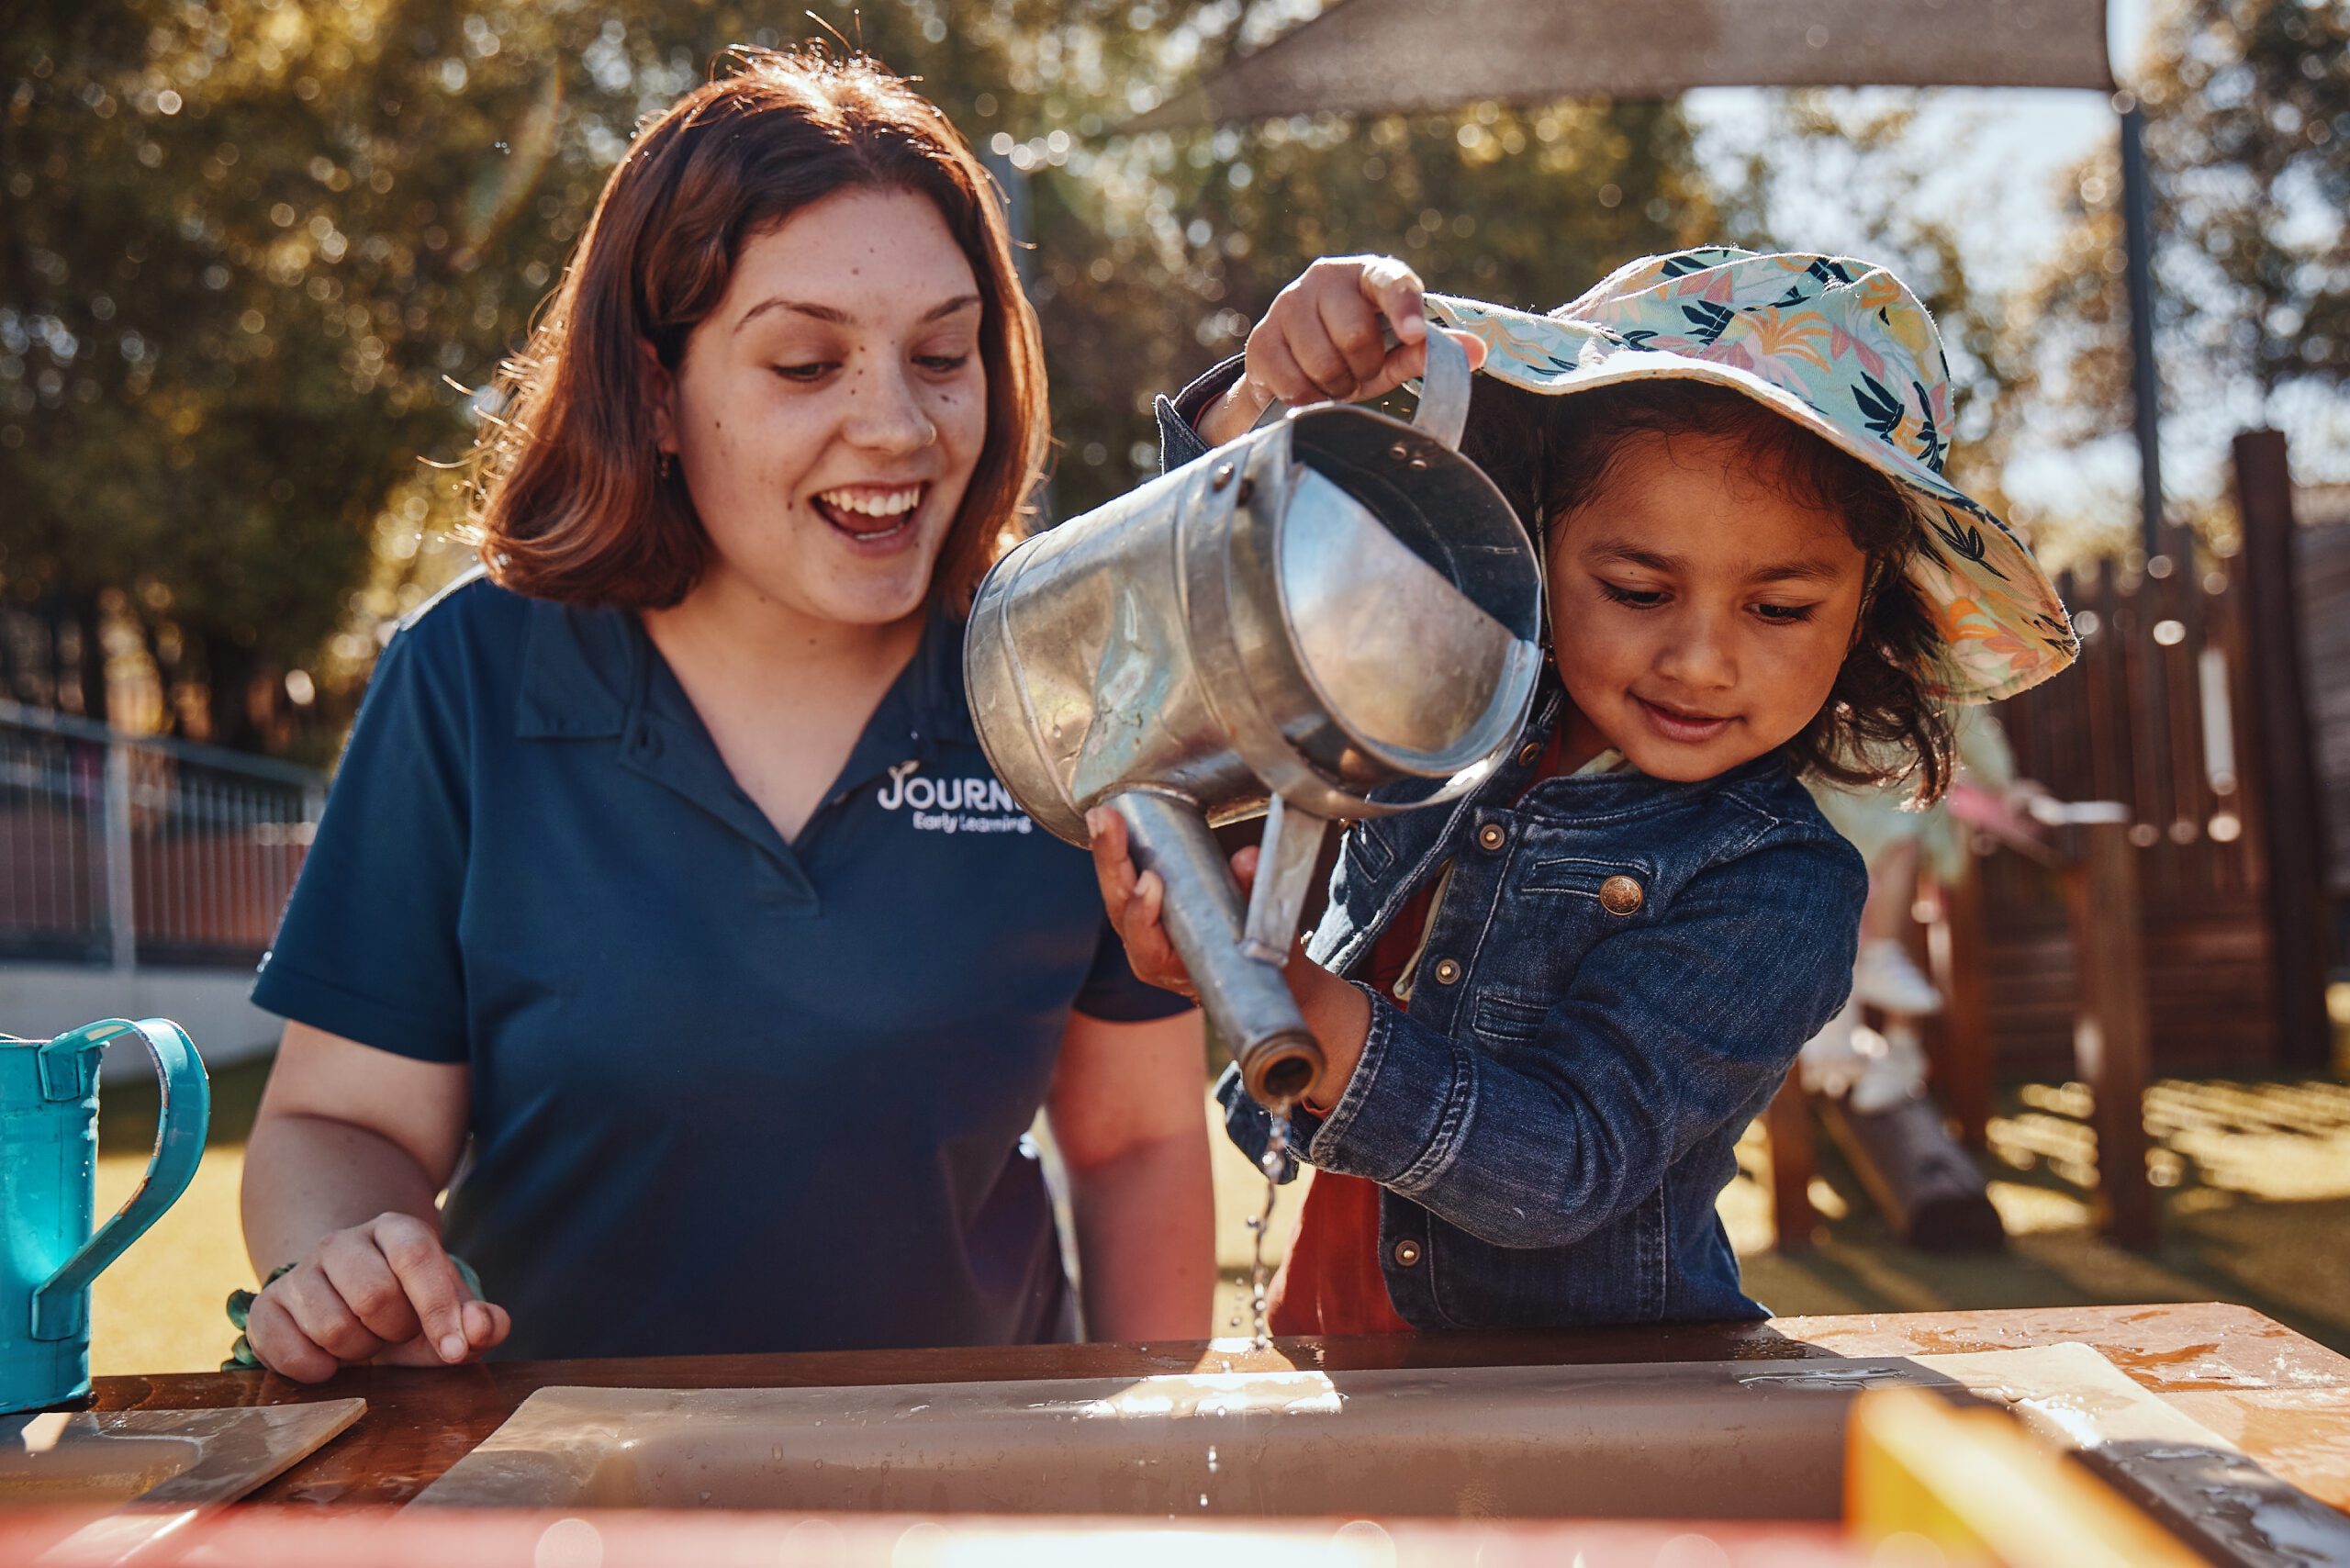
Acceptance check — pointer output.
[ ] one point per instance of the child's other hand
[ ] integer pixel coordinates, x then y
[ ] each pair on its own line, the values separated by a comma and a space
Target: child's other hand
1137, 902
1321, 340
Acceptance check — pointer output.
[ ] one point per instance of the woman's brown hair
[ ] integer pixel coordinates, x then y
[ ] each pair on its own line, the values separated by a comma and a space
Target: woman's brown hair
1880, 723
574, 502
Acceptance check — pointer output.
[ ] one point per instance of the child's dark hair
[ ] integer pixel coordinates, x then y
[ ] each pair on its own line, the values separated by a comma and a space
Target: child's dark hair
1880, 725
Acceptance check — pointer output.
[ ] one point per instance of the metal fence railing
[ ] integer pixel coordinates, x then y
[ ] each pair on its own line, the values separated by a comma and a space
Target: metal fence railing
121, 850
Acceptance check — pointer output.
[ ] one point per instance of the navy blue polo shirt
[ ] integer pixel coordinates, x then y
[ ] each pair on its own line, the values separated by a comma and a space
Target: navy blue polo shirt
728, 1093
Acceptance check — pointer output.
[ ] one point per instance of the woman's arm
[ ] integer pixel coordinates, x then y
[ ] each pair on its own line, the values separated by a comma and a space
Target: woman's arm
1126, 1111
348, 1155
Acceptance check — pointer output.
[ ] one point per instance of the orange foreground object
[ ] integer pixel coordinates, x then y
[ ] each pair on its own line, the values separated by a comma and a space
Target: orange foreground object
1974, 1484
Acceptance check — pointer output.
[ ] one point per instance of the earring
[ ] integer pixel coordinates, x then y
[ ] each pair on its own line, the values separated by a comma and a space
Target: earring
669, 464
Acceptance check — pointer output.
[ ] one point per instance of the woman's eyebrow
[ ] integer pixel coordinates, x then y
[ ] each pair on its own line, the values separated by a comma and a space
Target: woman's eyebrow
839, 317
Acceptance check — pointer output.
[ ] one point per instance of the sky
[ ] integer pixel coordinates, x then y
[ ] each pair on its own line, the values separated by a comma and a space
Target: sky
2005, 153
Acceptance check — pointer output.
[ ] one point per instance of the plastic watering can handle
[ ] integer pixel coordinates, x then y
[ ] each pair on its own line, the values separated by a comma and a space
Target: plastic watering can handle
61, 1307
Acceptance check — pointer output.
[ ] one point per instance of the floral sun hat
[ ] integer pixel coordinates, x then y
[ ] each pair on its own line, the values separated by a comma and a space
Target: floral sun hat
1843, 349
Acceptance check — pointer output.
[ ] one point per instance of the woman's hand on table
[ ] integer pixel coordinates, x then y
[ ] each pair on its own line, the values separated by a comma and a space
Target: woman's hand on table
1336, 1012
383, 1290
1321, 340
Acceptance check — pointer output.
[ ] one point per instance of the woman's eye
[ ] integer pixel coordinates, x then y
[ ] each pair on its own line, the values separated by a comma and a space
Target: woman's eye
815, 371
945, 365
1785, 614
1638, 598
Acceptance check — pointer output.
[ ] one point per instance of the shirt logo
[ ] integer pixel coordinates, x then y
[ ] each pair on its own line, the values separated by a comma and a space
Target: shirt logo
952, 805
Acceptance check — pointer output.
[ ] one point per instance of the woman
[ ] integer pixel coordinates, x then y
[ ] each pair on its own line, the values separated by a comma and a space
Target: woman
663, 868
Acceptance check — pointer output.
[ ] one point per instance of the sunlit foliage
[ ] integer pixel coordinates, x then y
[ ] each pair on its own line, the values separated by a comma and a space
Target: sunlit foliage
253, 253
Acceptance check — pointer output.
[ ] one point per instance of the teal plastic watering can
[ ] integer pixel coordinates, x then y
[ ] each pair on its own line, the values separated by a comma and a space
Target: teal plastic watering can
48, 1165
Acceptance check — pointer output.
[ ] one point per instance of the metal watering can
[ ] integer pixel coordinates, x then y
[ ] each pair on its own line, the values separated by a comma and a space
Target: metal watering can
49, 1146
1335, 603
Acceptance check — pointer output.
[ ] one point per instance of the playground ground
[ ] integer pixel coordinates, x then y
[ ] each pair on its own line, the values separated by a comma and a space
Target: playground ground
2256, 1190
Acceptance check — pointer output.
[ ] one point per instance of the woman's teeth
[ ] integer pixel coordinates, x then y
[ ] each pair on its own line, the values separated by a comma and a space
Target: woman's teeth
869, 513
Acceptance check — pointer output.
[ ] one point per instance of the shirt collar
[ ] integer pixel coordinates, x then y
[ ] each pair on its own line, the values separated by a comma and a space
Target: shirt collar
581, 670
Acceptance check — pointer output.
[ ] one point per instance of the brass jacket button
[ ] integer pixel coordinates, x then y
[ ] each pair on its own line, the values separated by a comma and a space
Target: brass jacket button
1528, 753
1407, 1252
1447, 971
1621, 894
1491, 836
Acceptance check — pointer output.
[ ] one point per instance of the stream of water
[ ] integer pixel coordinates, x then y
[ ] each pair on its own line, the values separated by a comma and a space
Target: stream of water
1260, 1223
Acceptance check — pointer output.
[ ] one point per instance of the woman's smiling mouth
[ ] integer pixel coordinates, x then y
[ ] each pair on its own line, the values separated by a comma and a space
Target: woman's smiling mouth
1680, 725
872, 514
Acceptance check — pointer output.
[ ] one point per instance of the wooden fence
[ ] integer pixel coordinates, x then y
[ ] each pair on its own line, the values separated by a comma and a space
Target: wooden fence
2187, 707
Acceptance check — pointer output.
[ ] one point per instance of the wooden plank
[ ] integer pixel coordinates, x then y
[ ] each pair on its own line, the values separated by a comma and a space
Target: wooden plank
419, 1421
2111, 1039
1962, 971
1788, 1124
2324, 582
2296, 831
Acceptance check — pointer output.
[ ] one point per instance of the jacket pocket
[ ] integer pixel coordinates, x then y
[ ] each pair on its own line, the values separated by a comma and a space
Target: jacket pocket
1575, 876
1499, 1019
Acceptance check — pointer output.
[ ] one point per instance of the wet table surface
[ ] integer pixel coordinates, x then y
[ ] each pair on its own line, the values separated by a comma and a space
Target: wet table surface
2283, 1399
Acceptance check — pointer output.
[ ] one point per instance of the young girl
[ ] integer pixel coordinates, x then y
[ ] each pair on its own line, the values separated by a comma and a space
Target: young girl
1550, 1011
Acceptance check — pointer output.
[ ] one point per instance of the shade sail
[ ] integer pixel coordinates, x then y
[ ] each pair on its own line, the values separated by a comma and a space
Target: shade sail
1384, 56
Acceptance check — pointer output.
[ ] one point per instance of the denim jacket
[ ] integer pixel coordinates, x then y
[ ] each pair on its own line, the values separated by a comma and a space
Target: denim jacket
1553, 1119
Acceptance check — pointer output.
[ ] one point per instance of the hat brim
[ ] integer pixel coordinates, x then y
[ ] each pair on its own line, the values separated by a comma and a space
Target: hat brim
2004, 627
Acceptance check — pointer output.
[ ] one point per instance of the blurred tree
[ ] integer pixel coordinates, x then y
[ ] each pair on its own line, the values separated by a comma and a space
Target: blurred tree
2247, 108
253, 252
1868, 174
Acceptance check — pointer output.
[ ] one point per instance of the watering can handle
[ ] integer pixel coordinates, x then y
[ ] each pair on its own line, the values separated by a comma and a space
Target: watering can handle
61, 1307
1443, 390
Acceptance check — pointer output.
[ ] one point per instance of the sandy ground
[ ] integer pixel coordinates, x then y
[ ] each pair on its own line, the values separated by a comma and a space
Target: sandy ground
2257, 1204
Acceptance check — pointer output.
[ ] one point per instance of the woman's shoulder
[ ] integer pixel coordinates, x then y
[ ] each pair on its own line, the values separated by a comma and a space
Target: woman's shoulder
471, 618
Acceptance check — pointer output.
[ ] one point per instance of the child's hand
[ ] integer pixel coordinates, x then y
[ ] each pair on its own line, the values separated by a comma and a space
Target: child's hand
1136, 902
1321, 339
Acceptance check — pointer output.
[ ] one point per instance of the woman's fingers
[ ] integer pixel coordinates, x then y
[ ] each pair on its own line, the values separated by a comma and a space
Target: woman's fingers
358, 1273
1113, 868
1148, 947
324, 1318
282, 1346
486, 1325
1244, 866
1135, 901
428, 1281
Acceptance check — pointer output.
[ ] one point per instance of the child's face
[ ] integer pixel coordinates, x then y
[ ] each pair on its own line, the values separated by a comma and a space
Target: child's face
1699, 615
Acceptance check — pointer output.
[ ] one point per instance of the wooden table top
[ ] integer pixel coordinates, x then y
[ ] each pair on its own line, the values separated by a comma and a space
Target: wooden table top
2283, 1399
